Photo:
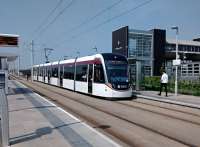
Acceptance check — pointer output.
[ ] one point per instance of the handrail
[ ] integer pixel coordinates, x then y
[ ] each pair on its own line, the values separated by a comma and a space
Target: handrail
4, 119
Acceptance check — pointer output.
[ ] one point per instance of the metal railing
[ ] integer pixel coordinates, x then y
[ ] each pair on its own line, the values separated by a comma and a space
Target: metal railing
4, 123
4, 117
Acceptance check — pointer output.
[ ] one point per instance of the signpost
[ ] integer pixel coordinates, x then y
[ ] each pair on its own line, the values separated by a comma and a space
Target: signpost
176, 62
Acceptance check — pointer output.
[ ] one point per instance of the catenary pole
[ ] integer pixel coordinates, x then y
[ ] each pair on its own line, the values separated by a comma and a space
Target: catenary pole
32, 59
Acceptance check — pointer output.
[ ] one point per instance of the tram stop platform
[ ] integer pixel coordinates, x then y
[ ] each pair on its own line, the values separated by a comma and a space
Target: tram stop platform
180, 99
37, 122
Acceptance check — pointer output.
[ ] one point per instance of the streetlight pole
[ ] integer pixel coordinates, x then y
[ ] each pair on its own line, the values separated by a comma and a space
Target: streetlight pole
176, 76
18, 65
47, 52
32, 59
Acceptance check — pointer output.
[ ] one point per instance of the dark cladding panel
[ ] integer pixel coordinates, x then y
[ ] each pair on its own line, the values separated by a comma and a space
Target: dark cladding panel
120, 41
159, 40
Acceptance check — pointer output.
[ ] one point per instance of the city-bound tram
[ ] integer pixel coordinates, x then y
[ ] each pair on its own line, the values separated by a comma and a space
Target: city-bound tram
103, 75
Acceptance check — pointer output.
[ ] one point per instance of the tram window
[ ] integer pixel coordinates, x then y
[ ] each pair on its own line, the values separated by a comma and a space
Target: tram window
49, 71
37, 71
40, 71
69, 72
34, 71
46, 69
61, 71
55, 72
81, 73
98, 74
43, 72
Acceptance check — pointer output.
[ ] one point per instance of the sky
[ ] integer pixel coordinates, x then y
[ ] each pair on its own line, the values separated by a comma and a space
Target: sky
71, 26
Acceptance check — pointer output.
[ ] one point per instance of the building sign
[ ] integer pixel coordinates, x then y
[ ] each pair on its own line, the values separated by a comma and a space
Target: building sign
8, 40
120, 41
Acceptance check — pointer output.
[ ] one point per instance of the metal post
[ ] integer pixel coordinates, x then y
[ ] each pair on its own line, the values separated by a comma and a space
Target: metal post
32, 62
138, 74
47, 52
176, 76
18, 65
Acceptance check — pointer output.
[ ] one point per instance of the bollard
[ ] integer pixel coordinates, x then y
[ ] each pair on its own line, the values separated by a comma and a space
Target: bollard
4, 119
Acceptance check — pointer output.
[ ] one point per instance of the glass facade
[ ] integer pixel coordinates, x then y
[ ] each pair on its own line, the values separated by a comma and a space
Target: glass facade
140, 49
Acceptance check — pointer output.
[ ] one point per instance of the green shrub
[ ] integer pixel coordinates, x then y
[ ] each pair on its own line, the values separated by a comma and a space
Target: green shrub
184, 86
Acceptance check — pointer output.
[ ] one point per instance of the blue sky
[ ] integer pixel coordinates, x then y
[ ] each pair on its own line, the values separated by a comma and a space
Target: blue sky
66, 35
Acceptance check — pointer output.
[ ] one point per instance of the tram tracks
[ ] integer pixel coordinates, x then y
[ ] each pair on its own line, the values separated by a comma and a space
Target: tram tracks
167, 108
121, 118
171, 115
196, 122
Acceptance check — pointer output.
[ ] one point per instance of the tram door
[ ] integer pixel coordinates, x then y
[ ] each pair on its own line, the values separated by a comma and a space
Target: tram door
61, 75
90, 73
43, 73
49, 73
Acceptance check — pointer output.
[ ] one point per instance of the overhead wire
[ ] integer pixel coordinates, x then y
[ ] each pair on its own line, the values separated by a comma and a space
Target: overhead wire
108, 20
89, 19
55, 18
47, 17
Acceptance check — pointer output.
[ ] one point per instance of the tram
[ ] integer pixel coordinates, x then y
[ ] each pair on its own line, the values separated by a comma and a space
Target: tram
103, 75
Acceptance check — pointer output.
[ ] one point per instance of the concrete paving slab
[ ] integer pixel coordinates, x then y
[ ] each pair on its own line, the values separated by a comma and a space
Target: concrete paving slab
35, 122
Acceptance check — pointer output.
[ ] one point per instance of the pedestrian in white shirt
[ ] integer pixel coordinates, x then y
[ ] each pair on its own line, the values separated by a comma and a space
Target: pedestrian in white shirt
163, 82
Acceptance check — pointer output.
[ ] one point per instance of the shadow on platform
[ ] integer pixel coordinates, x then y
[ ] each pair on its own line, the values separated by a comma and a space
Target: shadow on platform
13, 91
37, 134
29, 108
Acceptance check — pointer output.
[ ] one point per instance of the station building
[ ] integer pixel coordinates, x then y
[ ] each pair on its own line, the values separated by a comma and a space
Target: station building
150, 50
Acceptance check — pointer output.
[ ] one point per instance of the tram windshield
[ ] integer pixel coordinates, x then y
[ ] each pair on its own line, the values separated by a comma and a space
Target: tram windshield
117, 71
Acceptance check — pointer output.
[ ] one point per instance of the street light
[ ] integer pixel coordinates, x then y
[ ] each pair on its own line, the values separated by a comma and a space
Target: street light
176, 76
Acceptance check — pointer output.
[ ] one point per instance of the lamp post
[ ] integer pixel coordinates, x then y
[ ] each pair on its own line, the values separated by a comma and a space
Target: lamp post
176, 76
32, 59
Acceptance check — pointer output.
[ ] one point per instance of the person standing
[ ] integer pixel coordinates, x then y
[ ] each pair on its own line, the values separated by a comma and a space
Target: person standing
163, 82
